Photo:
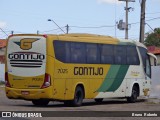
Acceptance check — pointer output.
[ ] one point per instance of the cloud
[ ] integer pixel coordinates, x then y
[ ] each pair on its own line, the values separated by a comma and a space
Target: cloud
109, 1
3, 24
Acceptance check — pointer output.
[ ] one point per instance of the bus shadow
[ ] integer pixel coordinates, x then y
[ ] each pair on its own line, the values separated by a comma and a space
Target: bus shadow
110, 102
85, 103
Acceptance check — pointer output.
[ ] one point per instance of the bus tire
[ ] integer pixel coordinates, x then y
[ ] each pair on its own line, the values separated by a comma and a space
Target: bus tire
134, 95
78, 97
40, 102
98, 100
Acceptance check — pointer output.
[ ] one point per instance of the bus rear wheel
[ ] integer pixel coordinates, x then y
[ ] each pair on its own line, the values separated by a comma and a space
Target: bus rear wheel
134, 95
78, 97
40, 102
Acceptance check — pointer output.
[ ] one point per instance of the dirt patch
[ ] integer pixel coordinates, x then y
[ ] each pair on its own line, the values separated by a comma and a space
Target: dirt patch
153, 101
2, 89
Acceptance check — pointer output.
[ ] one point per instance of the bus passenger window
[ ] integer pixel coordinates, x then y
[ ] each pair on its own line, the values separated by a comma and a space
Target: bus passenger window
132, 56
92, 53
120, 54
78, 54
59, 48
107, 54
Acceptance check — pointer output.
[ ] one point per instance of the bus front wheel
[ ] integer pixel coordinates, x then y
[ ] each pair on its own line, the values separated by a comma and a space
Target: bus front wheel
134, 95
40, 102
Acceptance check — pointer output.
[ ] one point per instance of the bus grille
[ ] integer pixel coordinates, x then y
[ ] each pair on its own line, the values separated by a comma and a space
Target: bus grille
26, 63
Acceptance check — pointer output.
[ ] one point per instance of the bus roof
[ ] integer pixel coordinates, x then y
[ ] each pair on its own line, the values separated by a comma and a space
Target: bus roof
103, 37
94, 37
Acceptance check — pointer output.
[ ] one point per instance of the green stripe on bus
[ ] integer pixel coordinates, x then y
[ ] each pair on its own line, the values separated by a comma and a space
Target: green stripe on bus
119, 78
109, 79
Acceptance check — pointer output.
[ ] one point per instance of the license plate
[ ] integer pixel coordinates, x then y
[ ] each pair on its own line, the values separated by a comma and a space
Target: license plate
25, 92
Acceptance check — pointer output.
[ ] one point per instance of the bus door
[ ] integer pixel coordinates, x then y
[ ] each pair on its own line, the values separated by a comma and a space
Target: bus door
147, 82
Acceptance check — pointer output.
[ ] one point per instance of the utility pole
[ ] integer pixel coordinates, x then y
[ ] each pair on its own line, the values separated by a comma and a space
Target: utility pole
126, 29
127, 9
67, 28
142, 21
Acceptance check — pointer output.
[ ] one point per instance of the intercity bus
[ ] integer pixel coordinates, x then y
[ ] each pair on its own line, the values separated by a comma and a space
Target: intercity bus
73, 67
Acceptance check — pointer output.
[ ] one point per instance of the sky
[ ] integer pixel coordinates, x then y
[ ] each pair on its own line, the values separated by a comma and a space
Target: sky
82, 16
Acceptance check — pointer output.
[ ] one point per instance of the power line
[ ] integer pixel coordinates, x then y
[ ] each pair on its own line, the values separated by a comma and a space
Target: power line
149, 26
4, 32
51, 30
153, 19
85, 27
3, 36
147, 20
56, 25
103, 26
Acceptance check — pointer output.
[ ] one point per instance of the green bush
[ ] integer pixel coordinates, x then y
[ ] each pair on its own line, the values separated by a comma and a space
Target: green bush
2, 82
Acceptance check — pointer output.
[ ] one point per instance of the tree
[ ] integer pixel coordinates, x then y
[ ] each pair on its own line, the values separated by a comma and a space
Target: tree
153, 39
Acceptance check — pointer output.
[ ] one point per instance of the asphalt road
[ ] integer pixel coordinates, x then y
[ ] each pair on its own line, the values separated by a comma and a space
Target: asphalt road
88, 105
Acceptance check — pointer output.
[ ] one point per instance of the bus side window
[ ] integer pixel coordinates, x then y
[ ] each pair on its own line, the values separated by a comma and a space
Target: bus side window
59, 48
107, 54
120, 54
132, 56
92, 53
78, 52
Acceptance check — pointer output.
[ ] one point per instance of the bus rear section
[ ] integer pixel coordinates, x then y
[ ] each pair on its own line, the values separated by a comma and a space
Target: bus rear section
25, 75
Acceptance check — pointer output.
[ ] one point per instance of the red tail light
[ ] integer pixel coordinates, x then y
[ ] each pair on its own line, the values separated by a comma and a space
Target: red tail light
47, 81
6, 80
45, 36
